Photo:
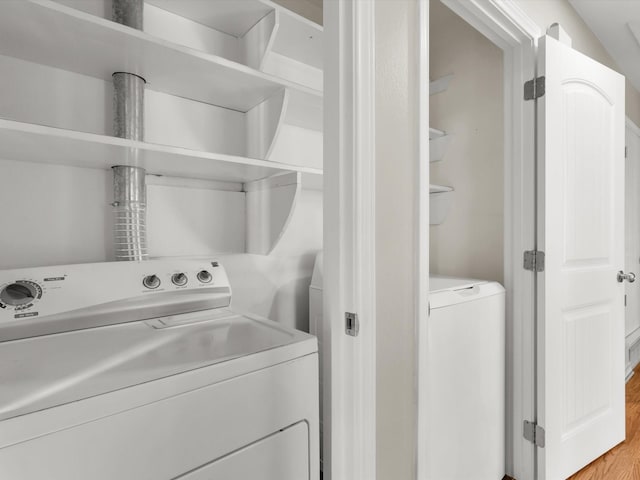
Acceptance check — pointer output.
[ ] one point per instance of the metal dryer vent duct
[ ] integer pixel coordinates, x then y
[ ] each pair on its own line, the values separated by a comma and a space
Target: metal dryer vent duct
129, 186
128, 12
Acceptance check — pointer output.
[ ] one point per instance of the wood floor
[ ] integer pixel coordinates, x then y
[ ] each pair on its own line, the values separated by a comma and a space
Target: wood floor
623, 462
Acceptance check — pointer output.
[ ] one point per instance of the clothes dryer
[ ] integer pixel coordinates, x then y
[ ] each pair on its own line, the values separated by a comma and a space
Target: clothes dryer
140, 370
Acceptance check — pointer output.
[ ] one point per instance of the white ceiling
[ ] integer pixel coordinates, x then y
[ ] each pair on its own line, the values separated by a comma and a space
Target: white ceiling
616, 23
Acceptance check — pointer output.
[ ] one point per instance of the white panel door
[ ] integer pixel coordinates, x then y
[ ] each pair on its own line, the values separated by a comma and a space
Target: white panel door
580, 378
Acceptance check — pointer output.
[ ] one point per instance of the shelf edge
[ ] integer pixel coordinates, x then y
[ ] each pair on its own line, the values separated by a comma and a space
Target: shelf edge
77, 136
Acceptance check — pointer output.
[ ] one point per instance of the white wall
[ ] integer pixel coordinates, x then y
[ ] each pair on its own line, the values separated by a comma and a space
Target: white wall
57, 214
470, 241
396, 153
53, 215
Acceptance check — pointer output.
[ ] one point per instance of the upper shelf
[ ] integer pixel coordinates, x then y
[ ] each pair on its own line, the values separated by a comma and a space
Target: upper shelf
35, 143
232, 17
438, 144
297, 37
440, 85
52, 34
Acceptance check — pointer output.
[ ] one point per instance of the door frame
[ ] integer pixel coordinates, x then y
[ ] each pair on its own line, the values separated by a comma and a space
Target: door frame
349, 241
507, 26
349, 233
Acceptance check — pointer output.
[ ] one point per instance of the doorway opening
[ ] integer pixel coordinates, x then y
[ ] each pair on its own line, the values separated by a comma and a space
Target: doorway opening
466, 327
517, 36
632, 246
492, 206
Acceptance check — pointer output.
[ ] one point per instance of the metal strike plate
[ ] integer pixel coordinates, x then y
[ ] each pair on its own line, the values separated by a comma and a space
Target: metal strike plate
352, 324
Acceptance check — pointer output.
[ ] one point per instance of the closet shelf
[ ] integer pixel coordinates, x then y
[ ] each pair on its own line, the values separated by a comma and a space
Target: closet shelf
440, 197
299, 38
296, 37
440, 85
35, 143
230, 17
48, 33
438, 144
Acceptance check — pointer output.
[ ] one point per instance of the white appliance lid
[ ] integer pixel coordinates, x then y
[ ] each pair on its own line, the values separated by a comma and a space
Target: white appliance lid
47, 371
447, 291
439, 283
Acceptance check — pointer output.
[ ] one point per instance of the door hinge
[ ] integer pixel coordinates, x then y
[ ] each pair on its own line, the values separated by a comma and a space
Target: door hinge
534, 433
534, 260
534, 88
351, 324
626, 151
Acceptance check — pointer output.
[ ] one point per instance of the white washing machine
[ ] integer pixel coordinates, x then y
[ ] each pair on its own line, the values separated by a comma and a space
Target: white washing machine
138, 370
466, 380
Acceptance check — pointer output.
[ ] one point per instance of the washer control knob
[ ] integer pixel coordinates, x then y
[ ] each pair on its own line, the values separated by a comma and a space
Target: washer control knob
19, 293
151, 281
204, 276
179, 279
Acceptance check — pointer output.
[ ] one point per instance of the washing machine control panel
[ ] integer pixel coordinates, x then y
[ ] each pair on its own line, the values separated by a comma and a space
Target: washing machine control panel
106, 290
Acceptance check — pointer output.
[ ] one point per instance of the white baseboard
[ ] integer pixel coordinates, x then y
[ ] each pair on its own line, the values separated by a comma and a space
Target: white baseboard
630, 374
632, 354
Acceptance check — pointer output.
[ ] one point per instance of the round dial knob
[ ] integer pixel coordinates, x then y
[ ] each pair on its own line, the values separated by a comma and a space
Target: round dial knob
204, 276
179, 279
151, 281
19, 293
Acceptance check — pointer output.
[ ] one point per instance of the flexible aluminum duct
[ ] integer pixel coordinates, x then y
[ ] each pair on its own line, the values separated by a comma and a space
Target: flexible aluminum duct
129, 186
130, 213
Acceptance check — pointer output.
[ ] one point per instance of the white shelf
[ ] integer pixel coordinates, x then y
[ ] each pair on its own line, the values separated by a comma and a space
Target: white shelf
232, 17
433, 188
440, 85
51, 34
299, 39
434, 133
438, 144
296, 37
286, 221
40, 144
440, 198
